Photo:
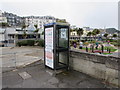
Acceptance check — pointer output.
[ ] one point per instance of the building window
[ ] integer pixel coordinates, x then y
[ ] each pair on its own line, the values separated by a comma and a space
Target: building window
12, 36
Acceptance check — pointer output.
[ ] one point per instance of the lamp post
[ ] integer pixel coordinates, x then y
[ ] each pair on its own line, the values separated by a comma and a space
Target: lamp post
16, 33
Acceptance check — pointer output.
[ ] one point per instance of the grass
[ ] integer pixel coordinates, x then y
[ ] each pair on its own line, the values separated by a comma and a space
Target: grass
111, 48
107, 53
84, 48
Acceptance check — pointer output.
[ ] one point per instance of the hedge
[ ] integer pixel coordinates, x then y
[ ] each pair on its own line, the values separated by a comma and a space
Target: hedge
26, 43
116, 43
40, 43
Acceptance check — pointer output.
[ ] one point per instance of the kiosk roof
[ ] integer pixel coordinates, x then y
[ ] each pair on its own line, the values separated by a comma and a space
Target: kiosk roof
57, 23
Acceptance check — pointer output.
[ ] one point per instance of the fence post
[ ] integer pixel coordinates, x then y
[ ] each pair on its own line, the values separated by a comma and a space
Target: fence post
86, 49
92, 48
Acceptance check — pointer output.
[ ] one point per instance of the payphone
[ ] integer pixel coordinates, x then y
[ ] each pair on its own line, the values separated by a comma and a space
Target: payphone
56, 50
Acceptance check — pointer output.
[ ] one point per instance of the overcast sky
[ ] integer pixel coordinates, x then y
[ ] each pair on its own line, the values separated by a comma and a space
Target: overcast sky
95, 13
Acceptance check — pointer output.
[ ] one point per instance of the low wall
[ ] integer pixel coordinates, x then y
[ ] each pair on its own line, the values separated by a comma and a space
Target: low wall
98, 66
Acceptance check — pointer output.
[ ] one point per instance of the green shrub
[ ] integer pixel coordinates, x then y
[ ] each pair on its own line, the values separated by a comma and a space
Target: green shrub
26, 43
70, 42
93, 41
112, 40
117, 43
18, 44
86, 43
22, 43
40, 43
30, 42
73, 41
43, 33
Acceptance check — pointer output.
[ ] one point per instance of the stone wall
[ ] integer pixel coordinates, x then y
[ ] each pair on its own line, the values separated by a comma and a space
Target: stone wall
98, 66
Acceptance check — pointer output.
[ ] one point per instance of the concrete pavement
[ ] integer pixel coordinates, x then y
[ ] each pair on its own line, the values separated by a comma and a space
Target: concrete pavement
37, 76
19, 56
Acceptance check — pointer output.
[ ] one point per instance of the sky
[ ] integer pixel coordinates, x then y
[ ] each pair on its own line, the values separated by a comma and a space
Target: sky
82, 13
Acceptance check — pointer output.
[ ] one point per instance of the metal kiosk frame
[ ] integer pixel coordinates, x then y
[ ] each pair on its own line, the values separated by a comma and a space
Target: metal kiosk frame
56, 49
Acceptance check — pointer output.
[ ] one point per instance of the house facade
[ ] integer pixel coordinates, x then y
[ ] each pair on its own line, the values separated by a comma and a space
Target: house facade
39, 20
13, 34
2, 34
12, 19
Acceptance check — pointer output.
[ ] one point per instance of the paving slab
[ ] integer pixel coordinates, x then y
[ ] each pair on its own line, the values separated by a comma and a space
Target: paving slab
24, 75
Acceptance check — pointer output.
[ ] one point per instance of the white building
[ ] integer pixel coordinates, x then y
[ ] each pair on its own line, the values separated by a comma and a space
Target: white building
11, 34
86, 28
39, 21
73, 33
2, 18
12, 19
85, 32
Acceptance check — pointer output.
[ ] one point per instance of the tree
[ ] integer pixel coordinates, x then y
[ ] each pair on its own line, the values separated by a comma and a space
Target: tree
36, 26
71, 30
75, 29
23, 28
3, 25
43, 33
80, 33
114, 35
24, 34
89, 34
95, 32
61, 20
36, 31
106, 35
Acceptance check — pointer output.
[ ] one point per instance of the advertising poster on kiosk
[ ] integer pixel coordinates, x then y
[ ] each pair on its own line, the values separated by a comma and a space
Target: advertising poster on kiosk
49, 47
